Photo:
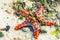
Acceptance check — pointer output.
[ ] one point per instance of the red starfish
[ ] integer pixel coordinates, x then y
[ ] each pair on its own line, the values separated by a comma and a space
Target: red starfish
35, 23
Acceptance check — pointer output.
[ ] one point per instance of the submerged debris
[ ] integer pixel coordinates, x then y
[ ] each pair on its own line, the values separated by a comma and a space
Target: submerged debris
21, 17
7, 28
43, 31
23, 5
58, 15
1, 34
3, 29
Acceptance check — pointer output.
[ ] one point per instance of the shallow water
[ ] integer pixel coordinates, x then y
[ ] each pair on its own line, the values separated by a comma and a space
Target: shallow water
12, 20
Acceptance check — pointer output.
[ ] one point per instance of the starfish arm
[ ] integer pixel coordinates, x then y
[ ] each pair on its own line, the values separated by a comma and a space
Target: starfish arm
24, 12
47, 22
23, 24
35, 28
19, 26
36, 34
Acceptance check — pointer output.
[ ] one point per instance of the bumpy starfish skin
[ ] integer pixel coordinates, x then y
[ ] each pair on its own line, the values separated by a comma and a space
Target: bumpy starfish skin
19, 26
29, 19
47, 22
35, 23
